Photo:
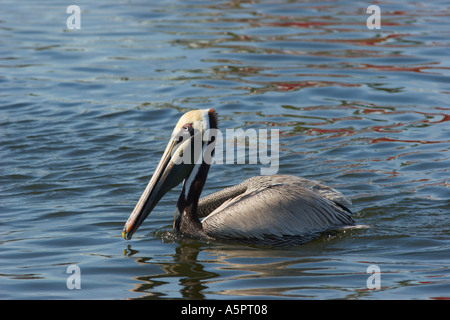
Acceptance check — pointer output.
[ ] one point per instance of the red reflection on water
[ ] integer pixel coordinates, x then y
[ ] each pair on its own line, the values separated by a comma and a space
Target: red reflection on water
299, 24
369, 41
445, 117
288, 86
418, 69
384, 139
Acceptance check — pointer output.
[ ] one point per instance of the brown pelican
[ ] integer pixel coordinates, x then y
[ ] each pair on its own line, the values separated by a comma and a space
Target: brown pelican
276, 209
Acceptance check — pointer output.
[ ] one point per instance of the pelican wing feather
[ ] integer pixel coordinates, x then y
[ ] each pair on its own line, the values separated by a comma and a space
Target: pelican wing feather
276, 207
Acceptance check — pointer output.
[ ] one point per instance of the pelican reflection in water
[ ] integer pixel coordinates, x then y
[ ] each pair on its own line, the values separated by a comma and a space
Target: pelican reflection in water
277, 209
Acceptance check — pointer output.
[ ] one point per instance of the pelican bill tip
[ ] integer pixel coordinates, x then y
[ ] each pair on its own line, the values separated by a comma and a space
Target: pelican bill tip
126, 235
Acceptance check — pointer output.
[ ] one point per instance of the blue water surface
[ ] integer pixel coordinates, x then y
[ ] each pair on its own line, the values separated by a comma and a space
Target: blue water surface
85, 115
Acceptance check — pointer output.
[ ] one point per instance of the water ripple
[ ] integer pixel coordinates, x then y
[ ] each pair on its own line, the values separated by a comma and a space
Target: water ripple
85, 115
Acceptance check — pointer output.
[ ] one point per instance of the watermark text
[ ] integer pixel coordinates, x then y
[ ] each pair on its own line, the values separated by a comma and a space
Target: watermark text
74, 280
74, 20
374, 21
374, 280
235, 146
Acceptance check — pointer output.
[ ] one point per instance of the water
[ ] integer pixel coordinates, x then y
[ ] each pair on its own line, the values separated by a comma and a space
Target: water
85, 116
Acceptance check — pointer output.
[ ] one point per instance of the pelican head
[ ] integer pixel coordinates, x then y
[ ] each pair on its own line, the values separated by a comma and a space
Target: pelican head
182, 161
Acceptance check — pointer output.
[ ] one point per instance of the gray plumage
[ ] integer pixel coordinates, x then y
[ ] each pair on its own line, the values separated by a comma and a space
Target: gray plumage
273, 209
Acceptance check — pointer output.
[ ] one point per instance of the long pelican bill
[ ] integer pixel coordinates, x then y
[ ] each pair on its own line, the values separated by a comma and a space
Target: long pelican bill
168, 174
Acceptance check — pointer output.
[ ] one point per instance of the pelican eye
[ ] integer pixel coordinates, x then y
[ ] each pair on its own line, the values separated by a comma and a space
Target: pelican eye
186, 132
